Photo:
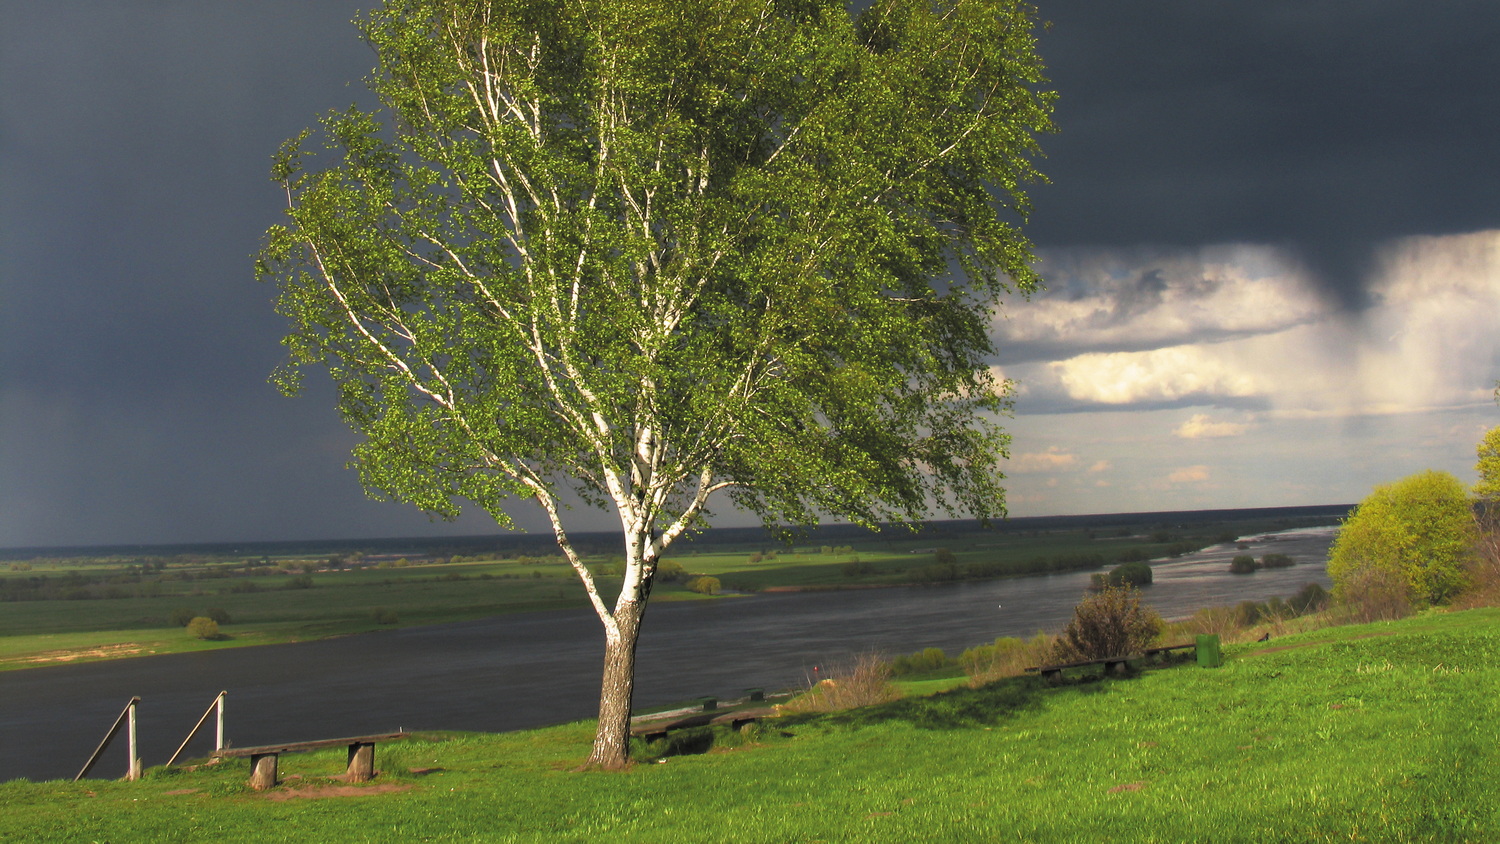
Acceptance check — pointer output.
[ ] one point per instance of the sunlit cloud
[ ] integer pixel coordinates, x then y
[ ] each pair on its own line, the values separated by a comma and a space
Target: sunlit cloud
1201, 427
1051, 460
1155, 376
1189, 475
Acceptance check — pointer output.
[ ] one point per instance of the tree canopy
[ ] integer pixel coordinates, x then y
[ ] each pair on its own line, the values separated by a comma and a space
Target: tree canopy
1487, 490
1418, 531
641, 251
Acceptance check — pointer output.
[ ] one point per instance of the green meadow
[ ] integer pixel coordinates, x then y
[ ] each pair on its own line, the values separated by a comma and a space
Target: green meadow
1382, 732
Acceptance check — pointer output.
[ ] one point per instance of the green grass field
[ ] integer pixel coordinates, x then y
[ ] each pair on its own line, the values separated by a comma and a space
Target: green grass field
1385, 732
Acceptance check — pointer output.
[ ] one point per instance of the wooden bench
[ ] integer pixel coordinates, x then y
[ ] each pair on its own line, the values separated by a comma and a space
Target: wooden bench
1165, 649
652, 730
1112, 665
263, 759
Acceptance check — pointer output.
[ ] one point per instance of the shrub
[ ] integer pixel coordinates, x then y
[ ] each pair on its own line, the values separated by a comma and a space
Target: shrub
669, 571
1130, 574
1276, 561
382, 615
182, 615
855, 568
1006, 657
218, 614
864, 682
704, 585
301, 581
1242, 564
1310, 599
1417, 532
930, 659
203, 627
1113, 622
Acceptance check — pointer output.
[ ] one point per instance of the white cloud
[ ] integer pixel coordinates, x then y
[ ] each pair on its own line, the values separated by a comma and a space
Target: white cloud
1051, 460
1101, 466
1121, 300
1154, 376
1189, 475
1200, 427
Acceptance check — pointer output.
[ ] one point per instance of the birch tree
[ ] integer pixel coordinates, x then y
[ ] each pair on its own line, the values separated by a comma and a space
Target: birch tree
641, 252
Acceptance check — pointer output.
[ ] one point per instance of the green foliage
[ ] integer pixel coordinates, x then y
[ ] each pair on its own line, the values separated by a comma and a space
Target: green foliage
1417, 533
648, 251
1310, 599
1242, 564
856, 568
704, 585
203, 627
182, 615
384, 615
1113, 622
218, 614
1276, 561
1129, 574
921, 662
670, 571
1488, 467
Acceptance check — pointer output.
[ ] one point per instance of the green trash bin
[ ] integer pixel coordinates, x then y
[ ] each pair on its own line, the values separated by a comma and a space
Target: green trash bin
709, 703
1209, 655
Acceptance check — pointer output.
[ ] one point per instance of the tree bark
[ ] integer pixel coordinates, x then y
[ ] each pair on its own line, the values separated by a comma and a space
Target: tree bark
612, 739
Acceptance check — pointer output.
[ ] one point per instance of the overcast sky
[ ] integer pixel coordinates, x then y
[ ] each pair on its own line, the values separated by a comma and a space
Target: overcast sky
1272, 246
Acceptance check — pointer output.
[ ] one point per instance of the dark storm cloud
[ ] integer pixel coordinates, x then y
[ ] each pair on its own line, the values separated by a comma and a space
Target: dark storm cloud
1324, 127
135, 138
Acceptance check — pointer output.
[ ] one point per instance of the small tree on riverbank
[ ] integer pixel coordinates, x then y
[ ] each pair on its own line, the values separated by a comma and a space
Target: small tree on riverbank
1407, 541
1113, 622
632, 253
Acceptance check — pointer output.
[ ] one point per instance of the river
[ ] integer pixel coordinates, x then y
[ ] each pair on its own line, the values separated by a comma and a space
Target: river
527, 670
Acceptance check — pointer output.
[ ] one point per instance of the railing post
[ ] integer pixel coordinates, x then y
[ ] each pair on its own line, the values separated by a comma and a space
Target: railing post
127, 712
133, 770
216, 706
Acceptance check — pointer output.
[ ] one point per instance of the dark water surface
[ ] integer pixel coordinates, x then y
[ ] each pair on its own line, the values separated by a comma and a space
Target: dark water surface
518, 671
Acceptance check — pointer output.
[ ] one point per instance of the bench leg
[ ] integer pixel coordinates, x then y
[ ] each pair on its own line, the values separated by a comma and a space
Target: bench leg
263, 771
361, 763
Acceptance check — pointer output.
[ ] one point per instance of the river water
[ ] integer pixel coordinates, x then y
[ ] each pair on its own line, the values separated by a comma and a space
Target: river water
519, 671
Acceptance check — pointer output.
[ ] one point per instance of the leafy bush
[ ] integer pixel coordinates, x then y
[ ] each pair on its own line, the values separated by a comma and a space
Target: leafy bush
1113, 622
1276, 561
1007, 656
1130, 574
669, 571
1417, 533
929, 659
855, 568
704, 585
864, 682
218, 614
382, 615
1242, 564
203, 627
182, 616
1312, 598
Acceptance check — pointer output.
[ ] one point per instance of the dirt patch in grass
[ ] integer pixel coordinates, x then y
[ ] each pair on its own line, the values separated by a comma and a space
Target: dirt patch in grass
323, 792
73, 654
1129, 786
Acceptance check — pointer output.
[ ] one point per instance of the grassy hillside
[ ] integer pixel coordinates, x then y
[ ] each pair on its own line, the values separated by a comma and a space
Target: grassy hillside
1384, 732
